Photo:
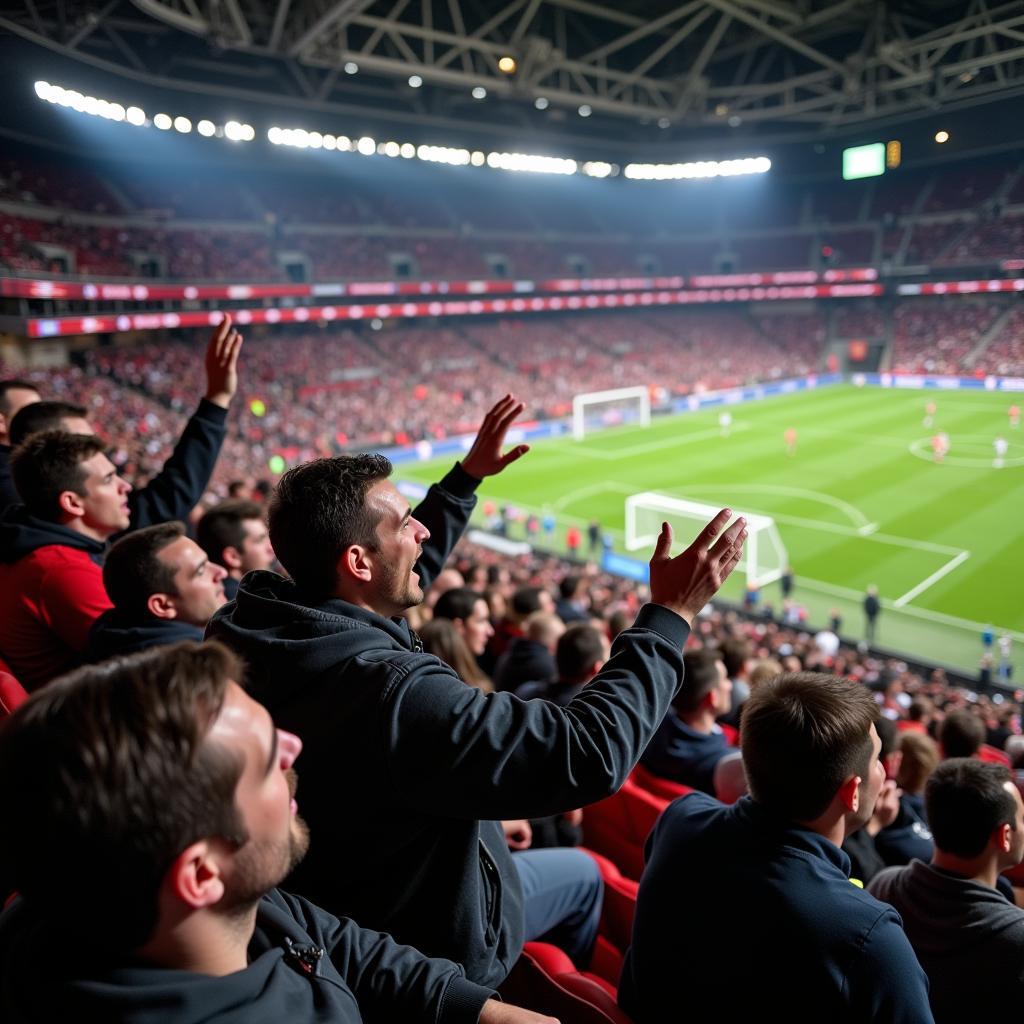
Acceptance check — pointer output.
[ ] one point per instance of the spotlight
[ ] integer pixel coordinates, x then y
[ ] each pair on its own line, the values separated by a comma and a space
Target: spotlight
163, 122
182, 124
585, 110
208, 128
415, 81
479, 93
351, 68
135, 116
942, 136
507, 65
541, 103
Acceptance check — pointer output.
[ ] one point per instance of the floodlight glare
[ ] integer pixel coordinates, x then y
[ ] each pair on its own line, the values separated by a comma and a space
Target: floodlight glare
163, 122
208, 128
135, 116
182, 124
43, 90
408, 150
541, 103
479, 93
507, 65
351, 68
415, 81
366, 146
585, 110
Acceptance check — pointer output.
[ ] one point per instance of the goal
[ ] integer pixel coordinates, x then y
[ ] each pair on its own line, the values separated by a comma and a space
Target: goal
597, 409
764, 554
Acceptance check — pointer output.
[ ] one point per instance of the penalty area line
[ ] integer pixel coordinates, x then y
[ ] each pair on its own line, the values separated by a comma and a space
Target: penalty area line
931, 580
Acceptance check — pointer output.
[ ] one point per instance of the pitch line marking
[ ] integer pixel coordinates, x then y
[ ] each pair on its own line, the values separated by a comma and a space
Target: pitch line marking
931, 580
653, 446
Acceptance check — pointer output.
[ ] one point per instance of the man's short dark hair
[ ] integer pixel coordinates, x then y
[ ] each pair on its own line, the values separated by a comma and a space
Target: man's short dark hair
7, 386
569, 585
318, 510
578, 649
804, 734
700, 677
223, 526
45, 465
735, 653
961, 733
457, 603
966, 801
132, 573
106, 775
40, 416
526, 600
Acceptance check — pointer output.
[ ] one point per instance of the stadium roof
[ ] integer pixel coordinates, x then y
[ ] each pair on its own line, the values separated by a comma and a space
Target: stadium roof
649, 72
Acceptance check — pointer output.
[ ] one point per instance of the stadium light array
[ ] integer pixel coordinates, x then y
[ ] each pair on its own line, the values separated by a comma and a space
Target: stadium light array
300, 138
136, 116
699, 169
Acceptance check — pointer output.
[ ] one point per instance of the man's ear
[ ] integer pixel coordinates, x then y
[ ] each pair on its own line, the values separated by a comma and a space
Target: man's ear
162, 606
849, 793
231, 557
195, 878
356, 563
1003, 838
71, 504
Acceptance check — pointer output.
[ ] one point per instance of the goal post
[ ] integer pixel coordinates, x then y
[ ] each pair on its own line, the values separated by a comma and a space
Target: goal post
764, 555
596, 409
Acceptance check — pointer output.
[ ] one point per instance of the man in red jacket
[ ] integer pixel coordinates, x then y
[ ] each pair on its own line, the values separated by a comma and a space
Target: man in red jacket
51, 548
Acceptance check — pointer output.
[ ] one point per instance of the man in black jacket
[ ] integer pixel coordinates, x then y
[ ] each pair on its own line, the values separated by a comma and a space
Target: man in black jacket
14, 395
163, 587
410, 771
177, 488
147, 841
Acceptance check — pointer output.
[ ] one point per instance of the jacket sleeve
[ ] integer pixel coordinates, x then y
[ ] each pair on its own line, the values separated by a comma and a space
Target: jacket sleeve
462, 753
177, 488
445, 512
391, 982
887, 984
73, 598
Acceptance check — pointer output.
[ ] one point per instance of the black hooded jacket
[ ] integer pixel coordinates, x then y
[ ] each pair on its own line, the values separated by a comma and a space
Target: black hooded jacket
406, 771
305, 967
116, 632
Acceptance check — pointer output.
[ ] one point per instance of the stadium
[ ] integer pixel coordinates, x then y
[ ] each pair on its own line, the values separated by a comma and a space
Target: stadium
622, 265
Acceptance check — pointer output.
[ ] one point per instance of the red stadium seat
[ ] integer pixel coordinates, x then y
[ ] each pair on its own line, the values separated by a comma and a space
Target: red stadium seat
544, 980
615, 930
731, 733
618, 826
666, 789
12, 693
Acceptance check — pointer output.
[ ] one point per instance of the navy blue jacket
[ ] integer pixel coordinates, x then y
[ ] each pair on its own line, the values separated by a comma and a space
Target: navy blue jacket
406, 771
760, 916
305, 967
684, 755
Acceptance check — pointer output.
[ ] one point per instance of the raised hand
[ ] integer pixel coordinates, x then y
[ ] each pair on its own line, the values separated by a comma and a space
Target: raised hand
222, 363
687, 582
485, 457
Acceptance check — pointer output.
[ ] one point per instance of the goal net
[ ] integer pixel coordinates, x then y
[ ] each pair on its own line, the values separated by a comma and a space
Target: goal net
764, 554
598, 409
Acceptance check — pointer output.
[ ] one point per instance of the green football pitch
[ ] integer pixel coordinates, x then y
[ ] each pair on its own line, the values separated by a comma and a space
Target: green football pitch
860, 502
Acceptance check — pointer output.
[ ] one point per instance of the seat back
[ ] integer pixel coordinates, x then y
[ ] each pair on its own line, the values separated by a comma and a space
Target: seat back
12, 694
544, 980
618, 826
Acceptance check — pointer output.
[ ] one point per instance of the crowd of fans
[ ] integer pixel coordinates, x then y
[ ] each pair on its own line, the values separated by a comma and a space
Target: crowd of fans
461, 716
259, 225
